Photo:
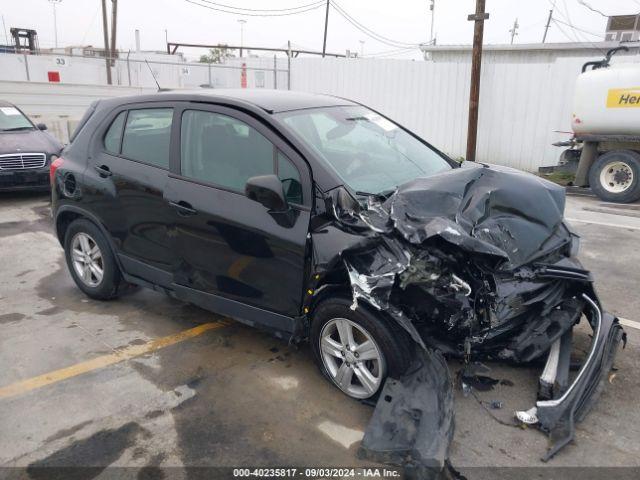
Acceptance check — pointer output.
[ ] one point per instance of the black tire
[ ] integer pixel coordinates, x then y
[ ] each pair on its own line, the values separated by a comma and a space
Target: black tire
109, 286
607, 160
395, 344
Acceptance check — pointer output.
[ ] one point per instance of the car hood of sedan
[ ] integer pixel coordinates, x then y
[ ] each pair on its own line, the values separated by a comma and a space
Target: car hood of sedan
28, 141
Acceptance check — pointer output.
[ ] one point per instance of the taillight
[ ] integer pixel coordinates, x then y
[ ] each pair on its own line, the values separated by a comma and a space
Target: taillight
55, 163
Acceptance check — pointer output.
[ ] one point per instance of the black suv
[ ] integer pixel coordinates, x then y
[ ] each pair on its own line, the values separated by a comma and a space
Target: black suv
317, 218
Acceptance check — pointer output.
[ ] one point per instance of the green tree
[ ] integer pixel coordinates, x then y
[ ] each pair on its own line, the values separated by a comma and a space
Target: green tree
216, 55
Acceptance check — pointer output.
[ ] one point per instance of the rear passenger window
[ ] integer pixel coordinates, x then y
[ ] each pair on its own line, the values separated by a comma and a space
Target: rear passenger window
147, 134
112, 138
224, 151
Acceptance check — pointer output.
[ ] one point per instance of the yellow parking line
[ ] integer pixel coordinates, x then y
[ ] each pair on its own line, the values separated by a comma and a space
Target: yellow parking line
126, 353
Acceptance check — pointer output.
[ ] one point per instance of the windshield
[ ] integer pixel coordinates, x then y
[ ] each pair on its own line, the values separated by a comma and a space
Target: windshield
12, 119
371, 154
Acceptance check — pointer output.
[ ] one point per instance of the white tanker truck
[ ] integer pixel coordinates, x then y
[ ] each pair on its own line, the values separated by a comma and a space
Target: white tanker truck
604, 152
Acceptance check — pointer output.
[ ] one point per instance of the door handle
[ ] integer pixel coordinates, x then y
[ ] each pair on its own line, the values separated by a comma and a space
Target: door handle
103, 170
184, 208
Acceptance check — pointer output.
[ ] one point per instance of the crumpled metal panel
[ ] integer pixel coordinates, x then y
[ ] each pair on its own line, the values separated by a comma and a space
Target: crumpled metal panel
472, 262
413, 422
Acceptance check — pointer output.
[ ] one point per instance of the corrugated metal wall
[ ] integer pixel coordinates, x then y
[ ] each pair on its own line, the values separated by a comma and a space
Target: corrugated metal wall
525, 98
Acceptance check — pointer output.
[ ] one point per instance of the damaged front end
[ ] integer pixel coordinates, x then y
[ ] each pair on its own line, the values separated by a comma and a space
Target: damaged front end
475, 263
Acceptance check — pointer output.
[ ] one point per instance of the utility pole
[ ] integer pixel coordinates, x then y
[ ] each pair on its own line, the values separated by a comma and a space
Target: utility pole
6, 37
546, 28
476, 61
105, 31
55, 21
326, 23
114, 22
514, 30
361, 48
432, 7
241, 22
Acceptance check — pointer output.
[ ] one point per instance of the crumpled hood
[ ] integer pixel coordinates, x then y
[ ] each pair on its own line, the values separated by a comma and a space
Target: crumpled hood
483, 209
29, 141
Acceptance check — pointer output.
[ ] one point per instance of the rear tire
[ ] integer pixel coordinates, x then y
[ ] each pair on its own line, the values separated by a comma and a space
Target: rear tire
379, 347
90, 260
615, 176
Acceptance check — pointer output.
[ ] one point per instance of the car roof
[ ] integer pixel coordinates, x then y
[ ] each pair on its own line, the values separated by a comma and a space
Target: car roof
271, 101
277, 100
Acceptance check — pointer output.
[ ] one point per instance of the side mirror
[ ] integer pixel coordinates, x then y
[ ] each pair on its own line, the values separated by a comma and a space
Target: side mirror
267, 190
41, 126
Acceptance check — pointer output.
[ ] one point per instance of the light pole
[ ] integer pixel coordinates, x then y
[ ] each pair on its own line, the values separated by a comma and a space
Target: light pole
55, 20
361, 48
241, 22
432, 7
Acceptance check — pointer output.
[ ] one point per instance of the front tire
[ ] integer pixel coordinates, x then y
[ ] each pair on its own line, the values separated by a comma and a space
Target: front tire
357, 350
91, 261
615, 176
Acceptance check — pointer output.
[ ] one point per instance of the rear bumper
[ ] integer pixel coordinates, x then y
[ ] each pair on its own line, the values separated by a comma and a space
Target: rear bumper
36, 179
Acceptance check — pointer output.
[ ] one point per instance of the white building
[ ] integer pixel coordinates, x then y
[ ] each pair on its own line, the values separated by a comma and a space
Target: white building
623, 28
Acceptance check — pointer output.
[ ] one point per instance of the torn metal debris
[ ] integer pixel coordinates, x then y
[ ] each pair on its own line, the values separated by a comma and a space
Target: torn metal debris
413, 422
474, 262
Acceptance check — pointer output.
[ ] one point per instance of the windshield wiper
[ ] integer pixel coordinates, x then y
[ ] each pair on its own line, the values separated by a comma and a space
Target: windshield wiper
15, 129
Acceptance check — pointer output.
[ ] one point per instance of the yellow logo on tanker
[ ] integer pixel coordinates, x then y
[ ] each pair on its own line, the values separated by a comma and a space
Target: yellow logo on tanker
623, 98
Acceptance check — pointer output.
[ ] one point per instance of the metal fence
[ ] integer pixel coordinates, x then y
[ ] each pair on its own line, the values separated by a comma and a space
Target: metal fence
134, 70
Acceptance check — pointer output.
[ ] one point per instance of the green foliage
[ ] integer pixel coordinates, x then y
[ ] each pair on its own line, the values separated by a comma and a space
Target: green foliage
560, 177
216, 55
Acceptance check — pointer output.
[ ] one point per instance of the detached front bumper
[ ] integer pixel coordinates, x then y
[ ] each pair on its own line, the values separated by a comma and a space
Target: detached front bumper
32, 179
568, 403
413, 423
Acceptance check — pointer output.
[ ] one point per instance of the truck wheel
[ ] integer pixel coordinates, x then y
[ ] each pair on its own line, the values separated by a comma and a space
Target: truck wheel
356, 350
615, 176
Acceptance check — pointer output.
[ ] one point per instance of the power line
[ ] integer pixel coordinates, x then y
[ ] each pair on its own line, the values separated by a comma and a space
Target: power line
595, 10
570, 24
249, 14
573, 28
388, 53
367, 31
577, 28
268, 10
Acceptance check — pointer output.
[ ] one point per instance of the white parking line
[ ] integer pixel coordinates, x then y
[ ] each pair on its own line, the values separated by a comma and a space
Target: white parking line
605, 224
345, 436
629, 323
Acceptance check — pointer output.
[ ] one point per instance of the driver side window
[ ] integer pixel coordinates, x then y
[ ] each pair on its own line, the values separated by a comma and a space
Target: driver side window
226, 152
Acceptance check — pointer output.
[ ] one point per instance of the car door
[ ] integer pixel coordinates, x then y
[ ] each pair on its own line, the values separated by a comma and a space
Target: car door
128, 171
233, 252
